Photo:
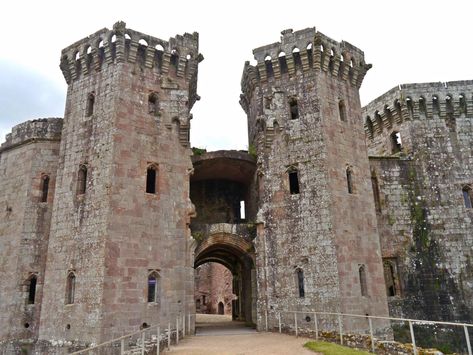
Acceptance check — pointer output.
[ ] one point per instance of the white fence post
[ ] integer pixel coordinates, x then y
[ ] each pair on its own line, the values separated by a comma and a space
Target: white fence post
316, 327
467, 336
266, 319
158, 341
413, 339
371, 334
183, 325
169, 335
143, 336
122, 347
295, 322
340, 327
177, 330
279, 321
189, 324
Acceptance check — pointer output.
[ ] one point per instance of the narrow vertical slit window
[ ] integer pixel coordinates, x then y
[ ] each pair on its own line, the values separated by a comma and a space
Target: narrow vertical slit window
90, 104
375, 186
151, 179
363, 285
294, 108
32, 289
300, 283
342, 111
349, 173
82, 180
467, 196
293, 182
70, 288
44, 188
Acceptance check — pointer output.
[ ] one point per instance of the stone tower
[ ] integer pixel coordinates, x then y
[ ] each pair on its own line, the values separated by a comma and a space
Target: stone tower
28, 164
121, 211
419, 141
317, 244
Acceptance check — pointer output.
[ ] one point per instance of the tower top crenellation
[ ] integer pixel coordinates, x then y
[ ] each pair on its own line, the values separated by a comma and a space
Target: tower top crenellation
122, 44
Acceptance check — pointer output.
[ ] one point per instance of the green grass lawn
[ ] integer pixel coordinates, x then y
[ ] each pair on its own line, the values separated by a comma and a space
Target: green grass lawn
333, 349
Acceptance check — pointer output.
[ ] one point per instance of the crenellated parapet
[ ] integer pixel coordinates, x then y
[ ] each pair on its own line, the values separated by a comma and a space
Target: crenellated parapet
425, 101
303, 51
43, 129
179, 55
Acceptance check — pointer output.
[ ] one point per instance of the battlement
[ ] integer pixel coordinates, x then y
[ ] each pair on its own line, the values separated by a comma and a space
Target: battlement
305, 50
122, 44
450, 100
35, 130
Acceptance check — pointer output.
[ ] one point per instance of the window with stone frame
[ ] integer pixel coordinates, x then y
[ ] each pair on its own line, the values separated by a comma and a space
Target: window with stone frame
153, 104
349, 174
31, 288
391, 277
152, 179
342, 111
467, 196
82, 180
293, 176
153, 287
89, 110
293, 108
376, 193
70, 287
363, 283
300, 283
44, 188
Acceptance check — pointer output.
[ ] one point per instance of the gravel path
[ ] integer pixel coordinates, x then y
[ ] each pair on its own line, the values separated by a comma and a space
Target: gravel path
219, 335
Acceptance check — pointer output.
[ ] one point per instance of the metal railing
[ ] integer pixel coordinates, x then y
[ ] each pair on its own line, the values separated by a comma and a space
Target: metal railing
337, 321
143, 341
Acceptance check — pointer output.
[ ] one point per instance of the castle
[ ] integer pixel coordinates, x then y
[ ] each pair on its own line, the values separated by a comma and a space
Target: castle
106, 212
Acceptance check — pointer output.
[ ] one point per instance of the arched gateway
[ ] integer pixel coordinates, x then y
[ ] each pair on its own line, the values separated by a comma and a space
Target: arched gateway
224, 227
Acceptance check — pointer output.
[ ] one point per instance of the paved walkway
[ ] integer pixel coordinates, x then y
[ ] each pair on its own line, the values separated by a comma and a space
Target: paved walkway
219, 335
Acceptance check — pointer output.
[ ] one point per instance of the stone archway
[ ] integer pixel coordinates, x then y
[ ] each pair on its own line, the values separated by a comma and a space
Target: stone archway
237, 254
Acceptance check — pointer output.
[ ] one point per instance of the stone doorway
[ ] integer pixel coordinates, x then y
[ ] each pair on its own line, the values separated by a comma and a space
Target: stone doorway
221, 308
237, 255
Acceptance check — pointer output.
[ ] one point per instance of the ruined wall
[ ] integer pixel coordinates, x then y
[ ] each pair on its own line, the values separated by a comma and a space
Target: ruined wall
213, 284
115, 234
425, 226
309, 229
27, 157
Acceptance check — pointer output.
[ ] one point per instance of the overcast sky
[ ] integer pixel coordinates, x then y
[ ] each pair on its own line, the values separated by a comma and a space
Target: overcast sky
406, 41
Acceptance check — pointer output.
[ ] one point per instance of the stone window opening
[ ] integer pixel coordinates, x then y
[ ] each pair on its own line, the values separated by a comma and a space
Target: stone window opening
293, 182
391, 277
242, 210
363, 284
175, 59
90, 104
153, 286
467, 196
396, 142
349, 173
410, 107
342, 111
70, 287
310, 55
375, 186
153, 107
462, 104
82, 180
300, 283
269, 66
293, 108
44, 188
297, 57
152, 179
282, 62
422, 106
435, 105
31, 284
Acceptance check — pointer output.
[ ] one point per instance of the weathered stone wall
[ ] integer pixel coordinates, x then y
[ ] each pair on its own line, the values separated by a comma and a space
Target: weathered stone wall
29, 154
116, 233
323, 230
213, 284
425, 227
